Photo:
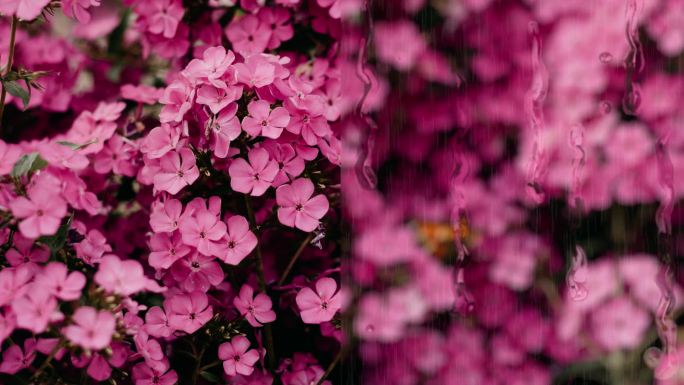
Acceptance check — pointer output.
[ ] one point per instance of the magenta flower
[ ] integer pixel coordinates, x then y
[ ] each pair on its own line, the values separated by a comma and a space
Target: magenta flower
248, 35
256, 310
278, 20
91, 329
165, 249
41, 211
144, 375
290, 164
237, 357
188, 312
203, 230
297, 207
321, 305
177, 170
225, 128
197, 273
217, 98
156, 323
26, 251
9, 155
56, 280
14, 359
214, 64
163, 16
165, 216
255, 177
35, 310
263, 121
239, 240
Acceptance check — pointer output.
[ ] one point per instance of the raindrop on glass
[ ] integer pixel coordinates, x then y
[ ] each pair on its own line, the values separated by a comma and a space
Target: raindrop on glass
606, 57
606, 107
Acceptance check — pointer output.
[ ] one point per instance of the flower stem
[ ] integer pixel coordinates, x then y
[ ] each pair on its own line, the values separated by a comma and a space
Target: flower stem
10, 59
294, 258
332, 365
270, 349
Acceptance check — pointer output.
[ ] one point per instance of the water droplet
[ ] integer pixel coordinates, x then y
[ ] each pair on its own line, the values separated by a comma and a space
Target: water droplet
631, 103
577, 275
606, 57
606, 107
370, 328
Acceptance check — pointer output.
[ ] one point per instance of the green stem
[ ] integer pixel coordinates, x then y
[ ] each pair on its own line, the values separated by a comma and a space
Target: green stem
332, 365
268, 333
10, 59
294, 258
47, 361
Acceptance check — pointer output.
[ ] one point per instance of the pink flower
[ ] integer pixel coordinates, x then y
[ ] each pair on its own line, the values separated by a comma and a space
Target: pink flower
619, 324
257, 71
165, 216
165, 249
24, 9
14, 282
177, 100
144, 375
14, 359
26, 251
278, 20
263, 121
217, 98
225, 127
239, 240
141, 93
9, 155
178, 170
248, 35
188, 312
297, 207
91, 329
163, 16
321, 305
77, 9
160, 140
256, 310
92, 247
237, 357
35, 310
254, 177
399, 43
203, 230
215, 63
197, 273
290, 164
156, 323
42, 210
121, 277
56, 280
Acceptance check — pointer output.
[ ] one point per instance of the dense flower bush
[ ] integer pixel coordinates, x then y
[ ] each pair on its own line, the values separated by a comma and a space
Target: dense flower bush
309, 192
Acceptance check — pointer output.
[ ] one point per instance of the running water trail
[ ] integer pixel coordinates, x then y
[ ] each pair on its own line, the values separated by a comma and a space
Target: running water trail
534, 109
577, 275
634, 61
364, 167
464, 302
578, 162
665, 358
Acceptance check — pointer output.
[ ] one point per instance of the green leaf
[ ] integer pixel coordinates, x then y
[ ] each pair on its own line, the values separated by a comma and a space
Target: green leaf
210, 377
56, 242
28, 163
16, 90
75, 146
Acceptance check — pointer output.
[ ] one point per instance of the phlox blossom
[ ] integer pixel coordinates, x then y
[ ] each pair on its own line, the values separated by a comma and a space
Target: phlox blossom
237, 357
255, 177
297, 207
321, 305
256, 309
91, 329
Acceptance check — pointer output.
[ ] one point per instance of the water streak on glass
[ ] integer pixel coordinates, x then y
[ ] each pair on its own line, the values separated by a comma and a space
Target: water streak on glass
634, 61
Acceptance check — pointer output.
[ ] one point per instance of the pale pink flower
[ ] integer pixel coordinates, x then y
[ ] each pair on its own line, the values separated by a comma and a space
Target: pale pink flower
160, 140
14, 282
144, 375
215, 63
197, 272
297, 207
9, 155
178, 169
77, 9
256, 71
263, 121
256, 309
255, 177
24, 9
26, 251
225, 127
165, 216
156, 323
321, 305
177, 100
188, 312
237, 357
217, 98
142, 93
163, 16
278, 20
619, 324
91, 329
121, 277
239, 240
289, 163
